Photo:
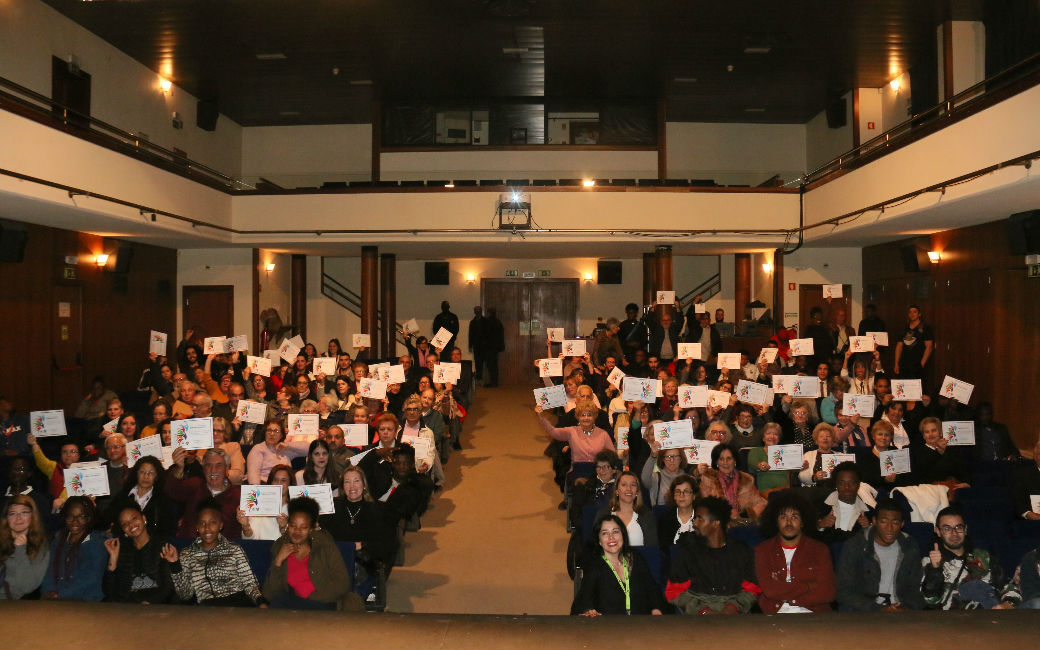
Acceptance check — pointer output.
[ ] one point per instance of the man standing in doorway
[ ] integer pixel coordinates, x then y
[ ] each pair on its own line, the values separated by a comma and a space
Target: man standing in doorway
450, 322
476, 342
494, 341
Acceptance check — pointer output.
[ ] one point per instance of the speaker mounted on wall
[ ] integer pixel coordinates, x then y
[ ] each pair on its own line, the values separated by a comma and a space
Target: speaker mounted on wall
836, 113
437, 273
206, 114
124, 255
608, 272
1023, 232
915, 258
12, 242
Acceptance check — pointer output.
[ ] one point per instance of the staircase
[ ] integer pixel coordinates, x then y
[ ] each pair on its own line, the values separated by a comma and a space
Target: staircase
348, 299
706, 289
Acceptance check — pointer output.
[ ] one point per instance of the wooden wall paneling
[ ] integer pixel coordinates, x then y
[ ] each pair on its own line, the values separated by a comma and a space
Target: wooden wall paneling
504, 296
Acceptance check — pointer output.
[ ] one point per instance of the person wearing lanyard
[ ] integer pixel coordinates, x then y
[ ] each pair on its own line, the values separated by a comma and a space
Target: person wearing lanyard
615, 579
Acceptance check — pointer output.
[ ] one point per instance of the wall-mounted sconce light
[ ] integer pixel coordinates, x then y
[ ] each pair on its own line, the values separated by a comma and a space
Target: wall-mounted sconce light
270, 267
588, 182
934, 257
165, 85
767, 267
470, 278
101, 260
588, 277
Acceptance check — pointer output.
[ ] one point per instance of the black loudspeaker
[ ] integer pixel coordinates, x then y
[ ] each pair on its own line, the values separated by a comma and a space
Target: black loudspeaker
436, 273
1023, 233
124, 255
836, 113
206, 114
608, 272
915, 258
12, 242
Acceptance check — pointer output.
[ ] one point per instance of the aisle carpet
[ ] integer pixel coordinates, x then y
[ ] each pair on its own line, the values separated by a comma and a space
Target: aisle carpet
494, 542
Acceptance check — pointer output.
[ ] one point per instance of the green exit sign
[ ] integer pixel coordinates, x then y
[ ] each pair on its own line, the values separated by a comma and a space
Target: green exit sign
1033, 271
545, 273
510, 273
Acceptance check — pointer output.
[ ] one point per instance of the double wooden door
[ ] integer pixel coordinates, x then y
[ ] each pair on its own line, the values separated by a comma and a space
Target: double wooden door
526, 308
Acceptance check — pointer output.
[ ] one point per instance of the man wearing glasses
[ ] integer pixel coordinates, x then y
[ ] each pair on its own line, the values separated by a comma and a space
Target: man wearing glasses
959, 576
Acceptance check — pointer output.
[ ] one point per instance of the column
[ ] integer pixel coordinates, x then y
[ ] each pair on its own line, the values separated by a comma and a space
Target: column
742, 288
649, 279
962, 55
663, 275
778, 290
388, 303
369, 295
298, 294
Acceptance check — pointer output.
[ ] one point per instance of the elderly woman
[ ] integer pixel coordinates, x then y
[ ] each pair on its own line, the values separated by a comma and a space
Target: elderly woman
136, 571
222, 440
935, 461
586, 439
812, 469
24, 552
144, 489
869, 461
616, 580
273, 451
657, 476
767, 479
307, 570
627, 504
718, 431
799, 425
213, 570
266, 527
412, 428
77, 555
723, 480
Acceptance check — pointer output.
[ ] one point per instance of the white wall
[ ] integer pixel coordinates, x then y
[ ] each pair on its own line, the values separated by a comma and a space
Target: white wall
124, 93
307, 156
895, 103
822, 143
275, 285
325, 318
216, 266
822, 266
504, 165
738, 154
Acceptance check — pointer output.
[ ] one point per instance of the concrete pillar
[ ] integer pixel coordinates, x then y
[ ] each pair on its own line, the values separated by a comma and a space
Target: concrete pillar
742, 287
649, 277
369, 294
388, 303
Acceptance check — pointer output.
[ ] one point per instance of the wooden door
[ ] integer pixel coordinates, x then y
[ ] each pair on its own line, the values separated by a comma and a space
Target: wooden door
68, 385
526, 308
811, 295
209, 310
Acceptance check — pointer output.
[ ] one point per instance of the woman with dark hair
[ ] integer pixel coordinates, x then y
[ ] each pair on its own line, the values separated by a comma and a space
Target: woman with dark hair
664, 467
144, 488
136, 572
679, 518
361, 519
266, 527
615, 579
627, 504
307, 571
127, 426
259, 388
318, 468
723, 480
55, 470
213, 570
24, 553
77, 555
335, 349
309, 352
273, 451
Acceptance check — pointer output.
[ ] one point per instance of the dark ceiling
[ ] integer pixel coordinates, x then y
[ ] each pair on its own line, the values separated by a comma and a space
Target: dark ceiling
339, 55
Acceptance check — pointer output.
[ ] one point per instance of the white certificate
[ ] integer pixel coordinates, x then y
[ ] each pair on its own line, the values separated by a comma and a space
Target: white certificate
906, 390
301, 426
693, 396
238, 343
371, 388
167, 457
659, 391
858, 405
453, 372
555, 334
111, 425
1034, 503
829, 461
550, 397
637, 389
832, 291
768, 355
440, 341
320, 492
718, 399
666, 297
550, 367
784, 457
956, 389
251, 412
325, 366
615, 377
297, 341
411, 326
674, 435
357, 458
880, 338
728, 361
699, 453
895, 461
193, 433
261, 500
380, 371
801, 347
355, 435
213, 345
87, 481
395, 374
574, 348
157, 343
422, 446
622, 438
138, 449
361, 340
46, 424
862, 344
259, 366
689, 351
803, 386
753, 392
959, 433
289, 350
782, 383
700, 308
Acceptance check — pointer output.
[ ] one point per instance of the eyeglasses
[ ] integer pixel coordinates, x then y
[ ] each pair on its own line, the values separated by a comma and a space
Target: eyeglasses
672, 457
959, 528
679, 493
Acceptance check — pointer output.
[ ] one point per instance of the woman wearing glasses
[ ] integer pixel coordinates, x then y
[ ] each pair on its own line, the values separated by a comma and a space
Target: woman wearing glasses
658, 476
272, 452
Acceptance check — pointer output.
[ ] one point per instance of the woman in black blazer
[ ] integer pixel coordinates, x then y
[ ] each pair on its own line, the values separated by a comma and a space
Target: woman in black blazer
615, 579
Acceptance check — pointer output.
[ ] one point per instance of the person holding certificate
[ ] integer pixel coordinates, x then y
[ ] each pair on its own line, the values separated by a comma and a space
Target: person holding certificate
616, 580
272, 452
723, 480
360, 519
262, 527
869, 461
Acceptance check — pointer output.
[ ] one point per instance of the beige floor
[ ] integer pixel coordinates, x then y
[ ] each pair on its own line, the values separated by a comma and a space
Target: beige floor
494, 542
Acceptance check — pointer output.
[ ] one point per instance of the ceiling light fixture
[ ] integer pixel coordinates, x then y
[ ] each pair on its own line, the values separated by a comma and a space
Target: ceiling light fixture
101, 260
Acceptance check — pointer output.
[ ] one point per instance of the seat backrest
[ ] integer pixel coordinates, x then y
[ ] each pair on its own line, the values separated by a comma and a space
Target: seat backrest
346, 549
652, 555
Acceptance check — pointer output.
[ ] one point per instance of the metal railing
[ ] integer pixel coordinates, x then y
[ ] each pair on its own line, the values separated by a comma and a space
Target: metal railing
349, 299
